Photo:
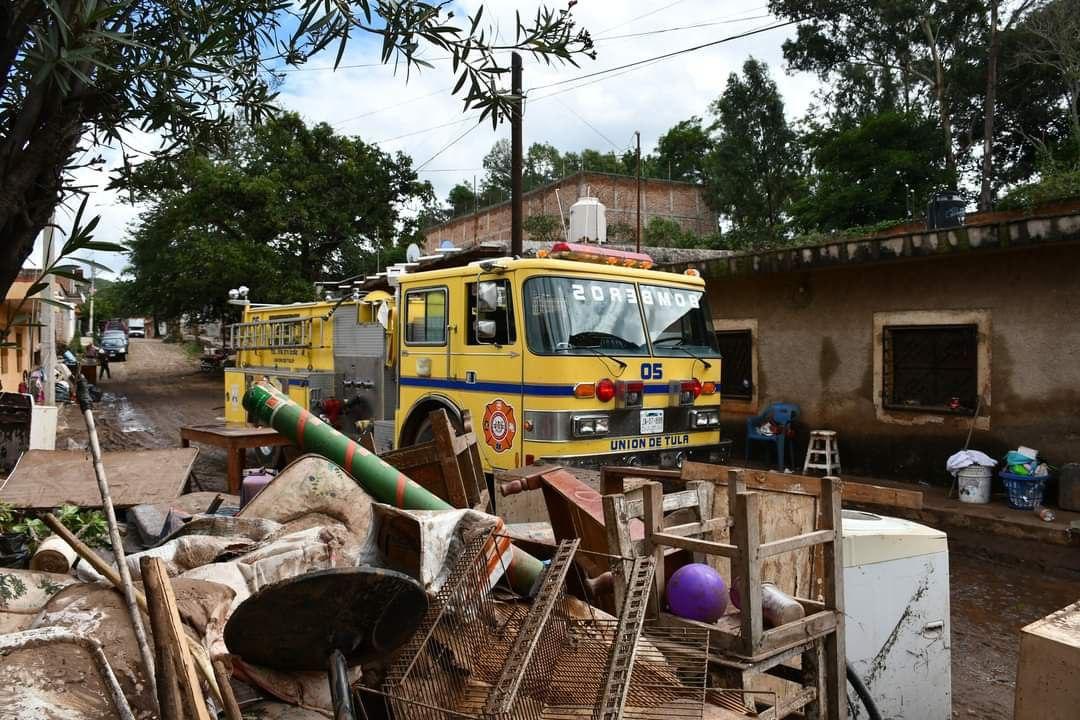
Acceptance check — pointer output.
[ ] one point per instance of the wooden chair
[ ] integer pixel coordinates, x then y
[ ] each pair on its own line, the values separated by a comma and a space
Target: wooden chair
740, 647
449, 466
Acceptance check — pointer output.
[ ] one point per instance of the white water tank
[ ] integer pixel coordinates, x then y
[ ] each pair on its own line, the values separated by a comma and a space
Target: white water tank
588, 222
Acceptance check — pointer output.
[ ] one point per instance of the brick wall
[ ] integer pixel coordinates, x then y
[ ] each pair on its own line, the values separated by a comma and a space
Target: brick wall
679, 201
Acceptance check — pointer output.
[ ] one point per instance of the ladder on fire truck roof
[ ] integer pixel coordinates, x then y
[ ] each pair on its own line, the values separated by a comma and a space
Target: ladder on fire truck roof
277, 334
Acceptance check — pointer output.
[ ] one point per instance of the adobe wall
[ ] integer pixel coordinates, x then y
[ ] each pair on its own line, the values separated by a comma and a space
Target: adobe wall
815, 345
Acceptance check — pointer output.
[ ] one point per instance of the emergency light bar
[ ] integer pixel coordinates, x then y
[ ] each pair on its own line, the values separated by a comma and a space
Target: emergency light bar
604, 256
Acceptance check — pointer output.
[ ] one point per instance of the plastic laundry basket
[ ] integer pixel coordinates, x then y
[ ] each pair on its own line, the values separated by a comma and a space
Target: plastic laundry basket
974, 484
1025, 491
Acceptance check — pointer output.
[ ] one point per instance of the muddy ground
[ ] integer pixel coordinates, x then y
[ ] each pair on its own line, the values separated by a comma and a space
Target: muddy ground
161, 388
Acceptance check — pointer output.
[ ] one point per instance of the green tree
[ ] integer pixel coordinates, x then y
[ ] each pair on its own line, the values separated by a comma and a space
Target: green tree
497, 182
543, 228
681, 152
306, 191
753, 170
879, 170
80, 73
462, 199
543, 163
288, 203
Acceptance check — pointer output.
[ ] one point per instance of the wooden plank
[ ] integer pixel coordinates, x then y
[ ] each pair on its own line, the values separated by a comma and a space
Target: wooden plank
748, 580
612, 477
707, 547
169, 631
617, 528
45, 479
835, 652
853, 492
452, 482
654, 522
797, 542
798, 631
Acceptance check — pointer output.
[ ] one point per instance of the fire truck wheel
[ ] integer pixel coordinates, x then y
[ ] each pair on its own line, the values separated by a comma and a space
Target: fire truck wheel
423, 433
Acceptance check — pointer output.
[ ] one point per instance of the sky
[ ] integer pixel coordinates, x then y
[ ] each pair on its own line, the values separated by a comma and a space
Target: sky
419, 116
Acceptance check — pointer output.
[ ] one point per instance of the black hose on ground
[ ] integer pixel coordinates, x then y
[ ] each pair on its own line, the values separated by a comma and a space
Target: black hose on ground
863, 693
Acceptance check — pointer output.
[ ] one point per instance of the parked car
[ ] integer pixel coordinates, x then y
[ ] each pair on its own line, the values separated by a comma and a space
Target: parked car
116, 324
136, 327
114, 344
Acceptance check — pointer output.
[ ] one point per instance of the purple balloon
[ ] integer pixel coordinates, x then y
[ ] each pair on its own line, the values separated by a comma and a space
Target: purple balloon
697, 592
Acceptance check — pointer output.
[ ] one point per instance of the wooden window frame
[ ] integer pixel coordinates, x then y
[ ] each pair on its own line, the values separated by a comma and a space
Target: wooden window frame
742, 405
918, 415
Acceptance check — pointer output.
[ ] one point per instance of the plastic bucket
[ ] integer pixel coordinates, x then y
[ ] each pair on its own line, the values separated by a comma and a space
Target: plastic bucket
974, 483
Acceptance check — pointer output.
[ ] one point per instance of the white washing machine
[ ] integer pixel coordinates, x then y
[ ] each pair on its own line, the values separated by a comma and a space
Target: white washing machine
896, 600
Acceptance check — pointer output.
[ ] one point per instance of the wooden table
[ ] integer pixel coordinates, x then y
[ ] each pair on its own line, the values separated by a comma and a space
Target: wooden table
235, 439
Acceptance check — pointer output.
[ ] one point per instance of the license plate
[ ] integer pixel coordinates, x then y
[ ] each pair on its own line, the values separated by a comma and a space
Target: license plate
652, 422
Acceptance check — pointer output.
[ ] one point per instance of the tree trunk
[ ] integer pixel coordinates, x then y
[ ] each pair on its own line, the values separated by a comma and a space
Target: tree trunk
986, 191
943, 105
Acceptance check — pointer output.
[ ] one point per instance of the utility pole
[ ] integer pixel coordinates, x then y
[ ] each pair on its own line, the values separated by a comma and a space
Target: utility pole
48, 340
637, 137
93, 291
515, 158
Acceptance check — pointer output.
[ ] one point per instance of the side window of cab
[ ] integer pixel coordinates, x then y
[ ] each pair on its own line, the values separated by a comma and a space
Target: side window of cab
425, 317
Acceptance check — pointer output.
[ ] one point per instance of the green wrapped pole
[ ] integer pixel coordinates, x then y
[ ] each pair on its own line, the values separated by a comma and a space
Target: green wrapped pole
379, 479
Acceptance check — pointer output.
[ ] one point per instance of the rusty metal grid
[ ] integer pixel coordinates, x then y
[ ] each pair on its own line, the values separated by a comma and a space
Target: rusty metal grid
458, 659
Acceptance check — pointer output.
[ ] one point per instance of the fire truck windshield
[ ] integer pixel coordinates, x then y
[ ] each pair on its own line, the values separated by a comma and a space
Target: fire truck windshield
580, 315
678, 321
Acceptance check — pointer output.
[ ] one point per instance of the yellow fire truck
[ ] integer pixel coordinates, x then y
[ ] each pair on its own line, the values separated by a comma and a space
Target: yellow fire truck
582, 354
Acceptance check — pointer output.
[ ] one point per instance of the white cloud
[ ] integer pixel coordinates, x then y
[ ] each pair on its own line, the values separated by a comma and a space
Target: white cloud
379, 105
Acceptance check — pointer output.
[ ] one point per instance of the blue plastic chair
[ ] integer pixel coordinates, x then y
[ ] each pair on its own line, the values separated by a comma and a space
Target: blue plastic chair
784, 415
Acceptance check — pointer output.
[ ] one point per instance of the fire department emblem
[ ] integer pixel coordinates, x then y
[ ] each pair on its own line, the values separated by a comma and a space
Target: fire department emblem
499, 426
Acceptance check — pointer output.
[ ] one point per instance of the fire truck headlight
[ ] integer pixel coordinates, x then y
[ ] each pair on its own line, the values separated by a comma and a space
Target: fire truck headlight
590, 425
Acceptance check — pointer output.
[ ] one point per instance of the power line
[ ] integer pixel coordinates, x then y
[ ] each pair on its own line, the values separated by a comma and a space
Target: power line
589, 124
665, 56
429, 129
350, 119
697, 26
639, 17
447, 146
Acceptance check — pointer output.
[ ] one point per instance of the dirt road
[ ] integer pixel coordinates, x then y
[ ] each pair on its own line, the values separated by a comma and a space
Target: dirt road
148, 397
160, 388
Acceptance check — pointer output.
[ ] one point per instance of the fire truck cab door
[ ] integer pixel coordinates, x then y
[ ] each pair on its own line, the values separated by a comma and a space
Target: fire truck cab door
488, 367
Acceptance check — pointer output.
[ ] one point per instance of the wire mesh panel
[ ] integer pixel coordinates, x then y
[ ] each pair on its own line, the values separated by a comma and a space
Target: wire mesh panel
479, 655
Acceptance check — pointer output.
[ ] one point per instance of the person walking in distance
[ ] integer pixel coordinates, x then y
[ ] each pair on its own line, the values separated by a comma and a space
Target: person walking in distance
103, 365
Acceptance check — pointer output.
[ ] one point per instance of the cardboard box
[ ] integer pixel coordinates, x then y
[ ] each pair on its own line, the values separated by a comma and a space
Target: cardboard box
1048, 678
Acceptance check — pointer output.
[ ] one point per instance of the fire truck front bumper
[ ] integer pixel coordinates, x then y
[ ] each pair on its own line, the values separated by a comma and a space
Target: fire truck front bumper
719, 453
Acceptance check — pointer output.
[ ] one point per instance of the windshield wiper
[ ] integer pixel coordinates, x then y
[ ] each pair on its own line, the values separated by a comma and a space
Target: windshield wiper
703, 361
600, 353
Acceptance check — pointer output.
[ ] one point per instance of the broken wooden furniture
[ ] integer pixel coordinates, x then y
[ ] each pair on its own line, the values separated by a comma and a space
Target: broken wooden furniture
328, 620
449, 466
45, 479
481, 656
236, 440
741, 647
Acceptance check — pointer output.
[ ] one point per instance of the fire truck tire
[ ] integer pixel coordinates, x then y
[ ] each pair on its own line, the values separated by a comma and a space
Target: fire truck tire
417, 428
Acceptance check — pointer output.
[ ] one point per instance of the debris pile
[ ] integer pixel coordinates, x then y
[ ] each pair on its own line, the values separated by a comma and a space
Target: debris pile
345, 588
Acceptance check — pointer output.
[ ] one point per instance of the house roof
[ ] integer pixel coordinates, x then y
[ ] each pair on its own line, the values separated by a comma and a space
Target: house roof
1021, 231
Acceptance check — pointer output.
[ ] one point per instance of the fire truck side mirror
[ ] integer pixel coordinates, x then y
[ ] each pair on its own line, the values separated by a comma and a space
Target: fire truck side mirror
487, 297
485, 330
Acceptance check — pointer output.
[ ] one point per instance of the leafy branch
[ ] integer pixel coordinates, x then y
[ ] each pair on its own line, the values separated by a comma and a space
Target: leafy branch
81, 239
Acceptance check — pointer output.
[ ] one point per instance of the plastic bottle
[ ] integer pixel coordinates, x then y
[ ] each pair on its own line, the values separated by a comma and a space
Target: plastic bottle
777, 607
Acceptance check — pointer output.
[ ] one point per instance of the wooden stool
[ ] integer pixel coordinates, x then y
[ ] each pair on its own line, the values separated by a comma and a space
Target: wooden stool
823, 453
